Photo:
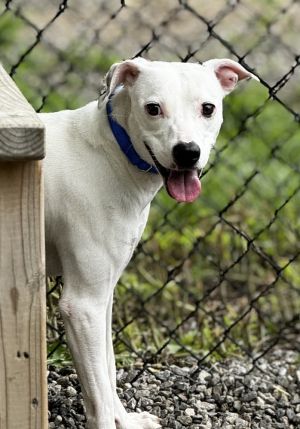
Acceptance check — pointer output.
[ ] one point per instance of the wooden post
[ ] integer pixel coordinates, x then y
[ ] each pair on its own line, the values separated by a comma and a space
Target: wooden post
23, 384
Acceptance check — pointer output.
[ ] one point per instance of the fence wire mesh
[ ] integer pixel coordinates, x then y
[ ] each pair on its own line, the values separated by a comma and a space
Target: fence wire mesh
220, 277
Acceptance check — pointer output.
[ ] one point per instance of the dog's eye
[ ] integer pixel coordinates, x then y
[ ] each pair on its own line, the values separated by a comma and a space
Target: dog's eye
208, 109
153, 109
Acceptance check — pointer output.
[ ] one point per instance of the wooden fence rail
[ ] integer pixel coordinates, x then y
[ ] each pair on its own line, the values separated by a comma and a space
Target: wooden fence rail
23, 387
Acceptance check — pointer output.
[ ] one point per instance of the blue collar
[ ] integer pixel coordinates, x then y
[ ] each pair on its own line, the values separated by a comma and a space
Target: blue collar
125, 143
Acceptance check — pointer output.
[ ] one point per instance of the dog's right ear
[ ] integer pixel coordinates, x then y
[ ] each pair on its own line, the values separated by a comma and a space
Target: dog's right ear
124, 73
228, 72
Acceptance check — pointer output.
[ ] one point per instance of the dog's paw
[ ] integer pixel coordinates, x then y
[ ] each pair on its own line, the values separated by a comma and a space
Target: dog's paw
142, 420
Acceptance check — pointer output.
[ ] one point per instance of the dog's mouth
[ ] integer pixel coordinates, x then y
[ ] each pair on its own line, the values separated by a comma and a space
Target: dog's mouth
182, 185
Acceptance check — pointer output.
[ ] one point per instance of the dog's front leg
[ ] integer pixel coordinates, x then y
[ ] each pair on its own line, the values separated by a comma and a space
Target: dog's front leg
123, 419
84, 315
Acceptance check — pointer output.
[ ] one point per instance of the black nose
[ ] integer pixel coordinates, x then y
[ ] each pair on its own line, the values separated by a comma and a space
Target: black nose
186, 154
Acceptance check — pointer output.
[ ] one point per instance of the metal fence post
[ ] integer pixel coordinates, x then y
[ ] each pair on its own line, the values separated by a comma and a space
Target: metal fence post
23, 387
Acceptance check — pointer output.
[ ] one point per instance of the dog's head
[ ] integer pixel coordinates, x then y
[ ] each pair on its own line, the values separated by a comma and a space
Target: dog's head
176, 114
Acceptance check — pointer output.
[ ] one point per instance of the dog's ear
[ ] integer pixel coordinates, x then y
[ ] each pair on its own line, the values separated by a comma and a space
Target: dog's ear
229, 73
124, 73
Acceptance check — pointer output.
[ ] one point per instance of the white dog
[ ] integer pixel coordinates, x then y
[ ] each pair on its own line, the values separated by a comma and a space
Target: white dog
155, 125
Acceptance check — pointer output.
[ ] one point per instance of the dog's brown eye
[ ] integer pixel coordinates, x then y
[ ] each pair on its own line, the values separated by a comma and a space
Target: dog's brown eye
208, 109
153, 109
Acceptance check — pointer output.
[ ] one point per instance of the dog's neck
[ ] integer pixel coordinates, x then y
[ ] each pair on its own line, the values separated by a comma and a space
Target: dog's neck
121, 106
125, 143
101, 138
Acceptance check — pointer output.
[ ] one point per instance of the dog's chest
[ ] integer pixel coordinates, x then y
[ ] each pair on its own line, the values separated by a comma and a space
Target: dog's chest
125, 234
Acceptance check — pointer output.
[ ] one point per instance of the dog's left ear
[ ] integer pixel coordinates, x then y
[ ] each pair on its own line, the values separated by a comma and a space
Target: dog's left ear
124, 73
229, 73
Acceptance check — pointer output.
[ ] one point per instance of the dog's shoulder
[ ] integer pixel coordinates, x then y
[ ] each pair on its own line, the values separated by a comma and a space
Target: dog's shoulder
71, 125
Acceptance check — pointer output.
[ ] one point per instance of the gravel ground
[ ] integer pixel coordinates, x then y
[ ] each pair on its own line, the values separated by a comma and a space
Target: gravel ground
183, 395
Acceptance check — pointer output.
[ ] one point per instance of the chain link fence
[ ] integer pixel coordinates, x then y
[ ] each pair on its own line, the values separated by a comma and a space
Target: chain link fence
220, 277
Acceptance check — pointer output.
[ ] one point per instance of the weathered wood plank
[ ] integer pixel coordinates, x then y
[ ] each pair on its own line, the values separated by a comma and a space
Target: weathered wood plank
23, 384
21, 131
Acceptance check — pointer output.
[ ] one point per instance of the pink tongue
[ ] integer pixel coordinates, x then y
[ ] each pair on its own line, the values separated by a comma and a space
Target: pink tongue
184, 186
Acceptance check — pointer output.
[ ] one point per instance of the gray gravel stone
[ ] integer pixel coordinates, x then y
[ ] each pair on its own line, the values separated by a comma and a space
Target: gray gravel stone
71, 391
220, 396
204, 376
249, 396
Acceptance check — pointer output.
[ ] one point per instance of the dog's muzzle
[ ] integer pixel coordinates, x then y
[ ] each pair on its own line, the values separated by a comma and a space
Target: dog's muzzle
186, 155
182, 183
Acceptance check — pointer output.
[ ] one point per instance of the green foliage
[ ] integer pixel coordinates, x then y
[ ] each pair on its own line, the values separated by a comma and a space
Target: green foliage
59, 354
9, 27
